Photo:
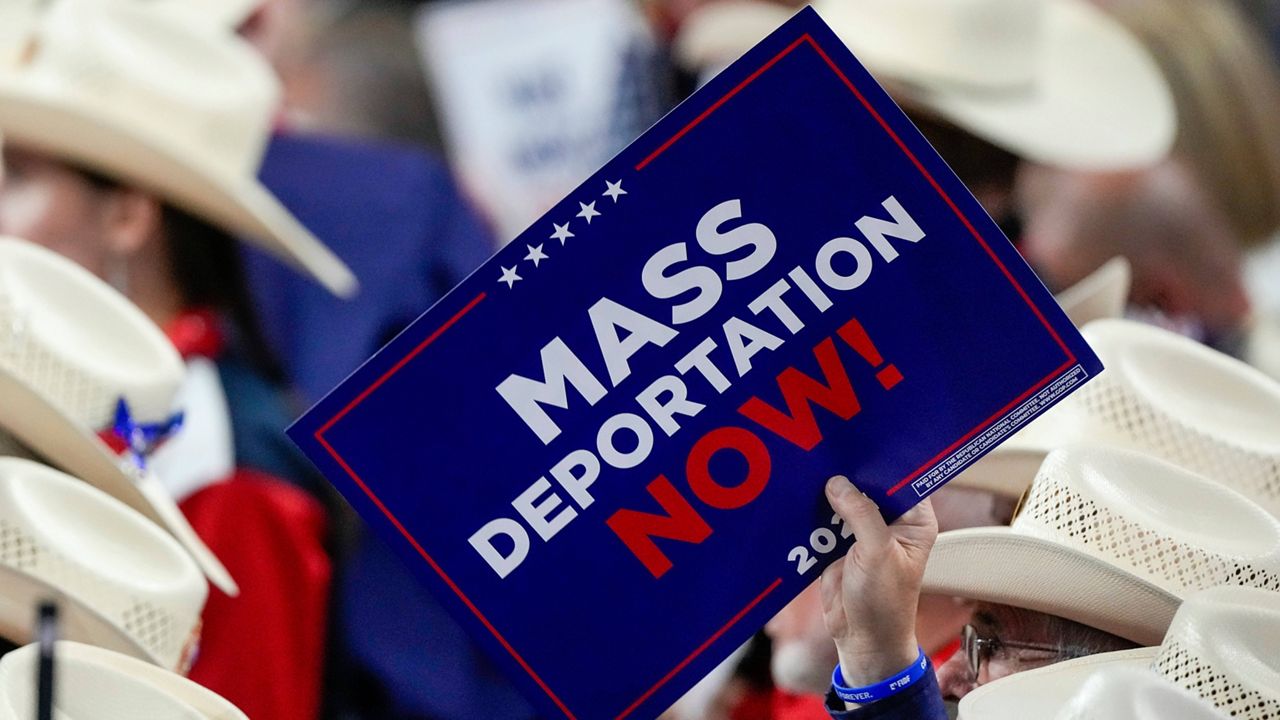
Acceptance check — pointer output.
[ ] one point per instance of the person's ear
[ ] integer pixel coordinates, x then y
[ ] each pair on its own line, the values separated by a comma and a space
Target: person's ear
133, 219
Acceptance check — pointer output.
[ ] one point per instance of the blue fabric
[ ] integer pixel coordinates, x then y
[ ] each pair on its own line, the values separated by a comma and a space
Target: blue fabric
426, 663
922, 701
259, 415
396, 217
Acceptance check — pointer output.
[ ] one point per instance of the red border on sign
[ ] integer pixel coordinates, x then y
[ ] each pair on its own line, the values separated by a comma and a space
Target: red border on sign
319, 434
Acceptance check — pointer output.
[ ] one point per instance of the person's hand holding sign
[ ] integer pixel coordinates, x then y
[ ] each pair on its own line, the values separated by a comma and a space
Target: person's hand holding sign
869, 598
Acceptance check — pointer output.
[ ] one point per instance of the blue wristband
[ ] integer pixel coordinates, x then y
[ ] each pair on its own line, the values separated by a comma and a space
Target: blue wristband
883, 689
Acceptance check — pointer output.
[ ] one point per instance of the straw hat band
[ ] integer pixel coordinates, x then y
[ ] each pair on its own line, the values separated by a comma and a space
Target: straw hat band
167, 635
228, 114
1137, 422
1056, 512
1195, 672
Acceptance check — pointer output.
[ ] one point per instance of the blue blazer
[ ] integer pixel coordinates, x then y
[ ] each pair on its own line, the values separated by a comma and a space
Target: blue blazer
395, 216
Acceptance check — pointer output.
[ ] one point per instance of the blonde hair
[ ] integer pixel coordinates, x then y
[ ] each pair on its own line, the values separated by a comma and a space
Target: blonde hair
1227, 92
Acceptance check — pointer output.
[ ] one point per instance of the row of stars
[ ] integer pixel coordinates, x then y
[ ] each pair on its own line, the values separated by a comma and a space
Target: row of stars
588, 211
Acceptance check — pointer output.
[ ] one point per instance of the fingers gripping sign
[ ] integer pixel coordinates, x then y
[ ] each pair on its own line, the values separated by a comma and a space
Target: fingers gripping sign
869, 598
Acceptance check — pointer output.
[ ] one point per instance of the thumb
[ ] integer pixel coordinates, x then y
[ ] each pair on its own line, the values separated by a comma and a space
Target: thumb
857, 509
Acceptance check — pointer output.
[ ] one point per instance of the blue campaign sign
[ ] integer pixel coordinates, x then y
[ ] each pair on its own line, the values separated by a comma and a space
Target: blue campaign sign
606, 448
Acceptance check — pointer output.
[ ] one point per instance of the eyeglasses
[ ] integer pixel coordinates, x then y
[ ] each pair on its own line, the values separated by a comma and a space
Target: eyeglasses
977, 648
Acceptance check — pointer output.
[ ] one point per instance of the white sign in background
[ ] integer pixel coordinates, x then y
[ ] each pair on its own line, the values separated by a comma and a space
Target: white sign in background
535, 95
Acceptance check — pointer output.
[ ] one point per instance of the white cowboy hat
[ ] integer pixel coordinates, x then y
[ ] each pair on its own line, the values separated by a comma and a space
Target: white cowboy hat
95, 684
1101, 295
1006, 471
1010, 468
16, 20
121, 582
1114, 540
1057, 82
229, 14
1171, 397
1054, 81
185, 112
1130, 694
1110, 693
73, 352
1222, 647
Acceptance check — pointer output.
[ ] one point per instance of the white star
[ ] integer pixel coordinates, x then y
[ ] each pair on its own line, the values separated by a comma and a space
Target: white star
535, 254
509, 276
615, 189
588, 211
562, 233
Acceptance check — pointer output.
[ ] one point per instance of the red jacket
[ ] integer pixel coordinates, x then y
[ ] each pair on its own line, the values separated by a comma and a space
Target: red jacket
264, 650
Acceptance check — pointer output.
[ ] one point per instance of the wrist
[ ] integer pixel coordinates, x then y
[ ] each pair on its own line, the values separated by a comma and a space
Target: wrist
898, 681
865, 666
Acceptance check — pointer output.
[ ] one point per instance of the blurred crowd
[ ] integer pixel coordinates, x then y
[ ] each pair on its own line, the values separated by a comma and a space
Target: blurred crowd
212, 211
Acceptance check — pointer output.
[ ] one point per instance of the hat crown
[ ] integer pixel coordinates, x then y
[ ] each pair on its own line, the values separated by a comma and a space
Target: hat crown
1173, 398
988, 44
1203, 388
100, 684
79, 343
1180, 531
98, 553
1222, 645
185, 83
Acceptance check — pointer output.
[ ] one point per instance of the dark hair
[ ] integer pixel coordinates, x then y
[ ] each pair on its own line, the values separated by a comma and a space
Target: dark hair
977, 162
209, 272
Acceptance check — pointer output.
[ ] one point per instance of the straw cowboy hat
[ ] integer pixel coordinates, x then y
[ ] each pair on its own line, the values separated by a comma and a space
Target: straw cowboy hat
1058, 82
1164, 395
1223, 647
1174, 398
1114, 540
185, 112
88, 382
1009, 469
96, 684
122, 583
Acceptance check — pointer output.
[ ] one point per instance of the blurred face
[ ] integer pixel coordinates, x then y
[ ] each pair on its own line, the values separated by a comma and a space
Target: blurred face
1004, 630
51, 204
803, 651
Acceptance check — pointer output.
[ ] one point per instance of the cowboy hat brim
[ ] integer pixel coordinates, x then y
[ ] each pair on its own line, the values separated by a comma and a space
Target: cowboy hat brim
1097, 100
1047, 689
999, 565
48, 431
35, 117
